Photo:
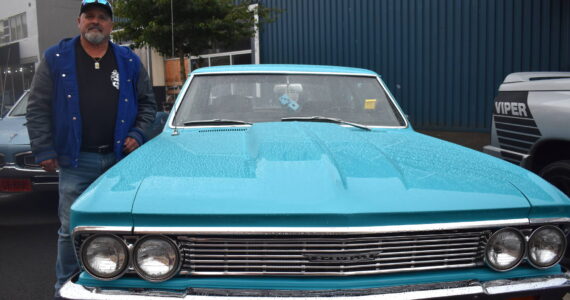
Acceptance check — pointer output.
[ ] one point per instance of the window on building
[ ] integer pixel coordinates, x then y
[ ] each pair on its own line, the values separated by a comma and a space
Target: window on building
13, 28
4, 31
18, 27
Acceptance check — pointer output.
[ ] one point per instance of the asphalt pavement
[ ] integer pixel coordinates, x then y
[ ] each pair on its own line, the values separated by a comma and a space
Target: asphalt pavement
28, 239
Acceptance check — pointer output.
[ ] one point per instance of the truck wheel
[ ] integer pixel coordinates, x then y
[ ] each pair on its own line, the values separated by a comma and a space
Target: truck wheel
558, 173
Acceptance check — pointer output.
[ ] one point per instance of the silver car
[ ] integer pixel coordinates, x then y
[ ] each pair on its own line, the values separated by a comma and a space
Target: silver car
531, 124
18, 170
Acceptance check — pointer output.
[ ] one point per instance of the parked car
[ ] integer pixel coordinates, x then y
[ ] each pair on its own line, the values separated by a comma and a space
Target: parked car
18, 170
530, 124
309, 182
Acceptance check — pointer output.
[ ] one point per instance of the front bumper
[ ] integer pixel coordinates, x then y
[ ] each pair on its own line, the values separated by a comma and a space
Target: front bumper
547, 287
40, 179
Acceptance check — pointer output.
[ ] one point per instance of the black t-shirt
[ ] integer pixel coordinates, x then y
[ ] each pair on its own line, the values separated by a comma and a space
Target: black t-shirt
98, 96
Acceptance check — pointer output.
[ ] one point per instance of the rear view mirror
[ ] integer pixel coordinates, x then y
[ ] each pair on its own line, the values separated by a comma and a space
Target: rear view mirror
288, 88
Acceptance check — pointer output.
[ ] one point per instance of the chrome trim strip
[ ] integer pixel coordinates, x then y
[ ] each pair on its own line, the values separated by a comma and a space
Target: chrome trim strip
319, 230
179, 98
549, 220
394, 103
285, 72
13, 168
499, 150
105, 229
335, 274
45, 183
329, 230
23, 153
494, 288
71, 290
9, 113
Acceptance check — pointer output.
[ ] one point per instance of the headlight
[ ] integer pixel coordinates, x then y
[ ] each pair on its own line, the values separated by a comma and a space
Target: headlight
505, 249
104, 256
156, 258
546, 246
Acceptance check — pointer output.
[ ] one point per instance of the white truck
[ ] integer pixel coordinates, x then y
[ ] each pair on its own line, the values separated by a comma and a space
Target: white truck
531, 124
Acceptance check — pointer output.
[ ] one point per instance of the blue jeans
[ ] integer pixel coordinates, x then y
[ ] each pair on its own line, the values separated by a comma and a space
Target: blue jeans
72, 182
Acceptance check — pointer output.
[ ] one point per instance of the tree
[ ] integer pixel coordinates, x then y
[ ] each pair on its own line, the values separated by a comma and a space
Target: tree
199, 25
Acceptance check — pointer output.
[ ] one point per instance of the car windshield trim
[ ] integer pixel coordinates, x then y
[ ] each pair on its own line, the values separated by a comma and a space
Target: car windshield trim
17, 106
398, 109
327, 120
285, 72
216, 122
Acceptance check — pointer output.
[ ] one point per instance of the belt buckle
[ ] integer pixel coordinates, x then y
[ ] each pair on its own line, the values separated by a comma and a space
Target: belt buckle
103, 148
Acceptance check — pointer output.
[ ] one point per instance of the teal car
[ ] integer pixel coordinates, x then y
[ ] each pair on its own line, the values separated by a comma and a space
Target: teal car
300, 181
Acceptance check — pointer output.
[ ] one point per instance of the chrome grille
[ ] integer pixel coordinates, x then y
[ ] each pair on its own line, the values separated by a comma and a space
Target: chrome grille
331, 255
26, 160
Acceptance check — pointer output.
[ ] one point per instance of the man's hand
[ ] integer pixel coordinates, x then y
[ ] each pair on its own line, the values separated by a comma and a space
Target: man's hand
49, 165
130, 145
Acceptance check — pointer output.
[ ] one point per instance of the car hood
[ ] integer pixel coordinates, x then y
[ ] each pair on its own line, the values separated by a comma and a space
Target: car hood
311, 174
13, 131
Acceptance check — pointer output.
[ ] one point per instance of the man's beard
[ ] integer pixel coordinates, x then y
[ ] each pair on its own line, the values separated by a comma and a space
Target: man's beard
95, 37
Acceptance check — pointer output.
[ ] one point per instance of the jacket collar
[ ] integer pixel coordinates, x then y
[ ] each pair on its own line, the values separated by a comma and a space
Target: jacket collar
67, 46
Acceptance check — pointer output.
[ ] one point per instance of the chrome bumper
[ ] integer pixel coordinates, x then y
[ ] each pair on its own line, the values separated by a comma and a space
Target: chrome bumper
41, 180
480, 290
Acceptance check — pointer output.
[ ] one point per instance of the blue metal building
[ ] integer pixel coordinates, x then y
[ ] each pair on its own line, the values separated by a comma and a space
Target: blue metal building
442, 59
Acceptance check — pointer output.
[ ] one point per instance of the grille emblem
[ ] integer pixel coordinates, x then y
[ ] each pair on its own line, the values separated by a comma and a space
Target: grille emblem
368, 256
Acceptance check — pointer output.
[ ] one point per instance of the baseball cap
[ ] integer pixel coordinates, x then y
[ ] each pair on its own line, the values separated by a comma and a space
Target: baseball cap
106, 5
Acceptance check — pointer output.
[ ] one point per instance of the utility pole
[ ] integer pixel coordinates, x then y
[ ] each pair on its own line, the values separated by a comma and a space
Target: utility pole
172, 24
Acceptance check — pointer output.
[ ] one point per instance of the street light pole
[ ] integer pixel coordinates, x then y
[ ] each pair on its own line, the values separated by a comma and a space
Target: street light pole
172, 25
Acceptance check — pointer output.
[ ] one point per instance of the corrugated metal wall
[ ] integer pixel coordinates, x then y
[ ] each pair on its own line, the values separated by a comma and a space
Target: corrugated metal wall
442, 59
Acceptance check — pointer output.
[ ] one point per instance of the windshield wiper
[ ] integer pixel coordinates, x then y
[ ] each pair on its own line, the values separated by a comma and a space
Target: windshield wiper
325, 119
216, 122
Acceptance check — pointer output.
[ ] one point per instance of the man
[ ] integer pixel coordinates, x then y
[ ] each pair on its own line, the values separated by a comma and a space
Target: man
89, 104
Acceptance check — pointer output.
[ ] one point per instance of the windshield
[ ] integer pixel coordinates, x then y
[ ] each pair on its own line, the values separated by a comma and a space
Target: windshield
272, 97
21, 106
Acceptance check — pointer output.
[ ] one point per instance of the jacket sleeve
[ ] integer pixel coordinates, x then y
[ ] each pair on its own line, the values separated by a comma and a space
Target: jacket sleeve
146, 107
39, 114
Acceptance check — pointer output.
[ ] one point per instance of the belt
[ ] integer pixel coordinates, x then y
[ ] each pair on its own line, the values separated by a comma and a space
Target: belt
98, 149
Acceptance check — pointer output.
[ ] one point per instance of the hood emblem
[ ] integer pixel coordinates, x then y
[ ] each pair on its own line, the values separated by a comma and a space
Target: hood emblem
350, 257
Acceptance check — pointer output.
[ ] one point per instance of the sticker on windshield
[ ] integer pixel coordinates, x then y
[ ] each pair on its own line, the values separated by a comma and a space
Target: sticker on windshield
370, 104
287, 101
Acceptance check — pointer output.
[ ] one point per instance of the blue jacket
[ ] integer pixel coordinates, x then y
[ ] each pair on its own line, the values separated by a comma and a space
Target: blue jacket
54, 120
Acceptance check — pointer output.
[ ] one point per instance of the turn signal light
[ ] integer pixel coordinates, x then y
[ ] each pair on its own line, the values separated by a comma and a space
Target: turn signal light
15, 185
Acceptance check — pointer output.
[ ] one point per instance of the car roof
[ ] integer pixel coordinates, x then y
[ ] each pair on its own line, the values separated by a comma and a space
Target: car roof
536, 81
270, 68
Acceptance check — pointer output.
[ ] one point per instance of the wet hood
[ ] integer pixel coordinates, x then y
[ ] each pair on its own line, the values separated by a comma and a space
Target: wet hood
310, 174
13, 131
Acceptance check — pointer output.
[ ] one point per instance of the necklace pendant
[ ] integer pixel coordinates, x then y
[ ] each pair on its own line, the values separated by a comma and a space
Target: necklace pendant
96, 65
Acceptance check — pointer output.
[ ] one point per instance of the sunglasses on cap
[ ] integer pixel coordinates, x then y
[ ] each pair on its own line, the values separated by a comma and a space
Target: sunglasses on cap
106, 4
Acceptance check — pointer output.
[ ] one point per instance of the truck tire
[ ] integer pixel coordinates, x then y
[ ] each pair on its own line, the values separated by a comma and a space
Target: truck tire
558, 173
